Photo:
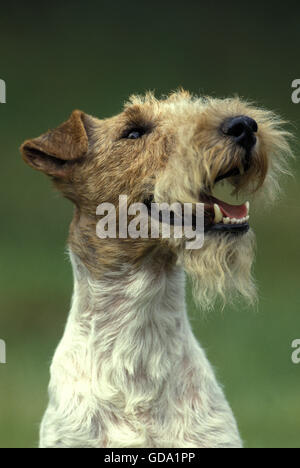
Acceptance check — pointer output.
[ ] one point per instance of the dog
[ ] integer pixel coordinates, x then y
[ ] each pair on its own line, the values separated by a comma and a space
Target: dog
129, 371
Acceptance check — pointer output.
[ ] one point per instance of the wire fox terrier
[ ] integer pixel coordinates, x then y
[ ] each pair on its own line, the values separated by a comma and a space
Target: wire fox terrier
129, 371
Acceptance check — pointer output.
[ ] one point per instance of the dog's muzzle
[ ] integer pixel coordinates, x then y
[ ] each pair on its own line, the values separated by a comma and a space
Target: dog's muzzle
220, 216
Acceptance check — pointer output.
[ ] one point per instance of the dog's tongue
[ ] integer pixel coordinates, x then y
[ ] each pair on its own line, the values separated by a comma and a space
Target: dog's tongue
232, 211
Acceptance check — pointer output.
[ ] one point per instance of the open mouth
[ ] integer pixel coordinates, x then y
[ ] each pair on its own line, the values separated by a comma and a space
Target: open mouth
227, 218
221, 216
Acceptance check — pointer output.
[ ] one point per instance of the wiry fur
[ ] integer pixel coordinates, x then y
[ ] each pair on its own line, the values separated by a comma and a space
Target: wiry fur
128, 371
223, 266
222, 269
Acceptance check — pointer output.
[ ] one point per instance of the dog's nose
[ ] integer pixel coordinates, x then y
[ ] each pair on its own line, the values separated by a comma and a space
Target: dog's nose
242, 129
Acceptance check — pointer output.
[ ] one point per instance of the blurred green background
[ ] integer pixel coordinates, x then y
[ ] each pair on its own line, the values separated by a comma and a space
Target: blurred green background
92, 55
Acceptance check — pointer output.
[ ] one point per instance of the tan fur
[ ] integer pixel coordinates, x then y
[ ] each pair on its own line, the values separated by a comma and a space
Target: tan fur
182, 153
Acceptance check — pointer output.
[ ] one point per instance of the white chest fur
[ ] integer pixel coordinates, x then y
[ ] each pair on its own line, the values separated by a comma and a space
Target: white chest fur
129, 372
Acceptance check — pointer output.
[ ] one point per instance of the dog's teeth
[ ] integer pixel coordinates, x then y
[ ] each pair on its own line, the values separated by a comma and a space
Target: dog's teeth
226, 220
248, 207
235, 221
218, 214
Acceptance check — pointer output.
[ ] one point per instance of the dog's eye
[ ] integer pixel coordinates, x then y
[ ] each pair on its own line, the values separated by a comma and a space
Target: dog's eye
134, 133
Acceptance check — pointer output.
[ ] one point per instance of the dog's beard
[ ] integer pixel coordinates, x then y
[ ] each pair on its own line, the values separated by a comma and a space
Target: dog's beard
221, 268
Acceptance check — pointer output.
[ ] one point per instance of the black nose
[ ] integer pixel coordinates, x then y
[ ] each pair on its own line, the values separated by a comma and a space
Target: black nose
242, 129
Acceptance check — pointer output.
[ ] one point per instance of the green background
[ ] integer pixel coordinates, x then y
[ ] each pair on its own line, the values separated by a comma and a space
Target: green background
92, 56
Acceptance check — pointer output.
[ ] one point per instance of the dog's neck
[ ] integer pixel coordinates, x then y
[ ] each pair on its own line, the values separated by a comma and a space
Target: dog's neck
129, 372
128, 324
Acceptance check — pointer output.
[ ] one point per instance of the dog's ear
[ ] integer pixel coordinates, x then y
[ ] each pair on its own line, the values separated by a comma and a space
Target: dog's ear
56, 152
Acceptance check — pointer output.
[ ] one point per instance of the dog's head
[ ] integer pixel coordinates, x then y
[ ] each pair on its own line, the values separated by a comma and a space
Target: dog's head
179, 149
